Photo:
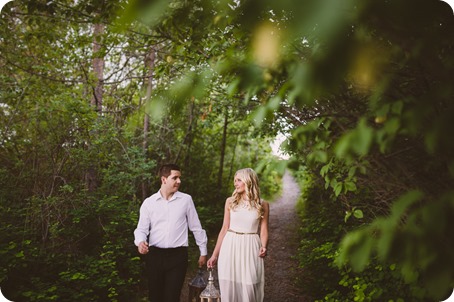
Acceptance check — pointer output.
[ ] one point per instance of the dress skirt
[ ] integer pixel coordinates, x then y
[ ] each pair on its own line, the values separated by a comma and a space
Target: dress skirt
241, 271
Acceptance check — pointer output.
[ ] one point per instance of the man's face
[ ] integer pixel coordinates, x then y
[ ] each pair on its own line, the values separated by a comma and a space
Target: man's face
172, 182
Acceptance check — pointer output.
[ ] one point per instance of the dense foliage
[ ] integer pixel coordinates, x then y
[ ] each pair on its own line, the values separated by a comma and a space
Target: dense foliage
74, 172
380, 147
95, 95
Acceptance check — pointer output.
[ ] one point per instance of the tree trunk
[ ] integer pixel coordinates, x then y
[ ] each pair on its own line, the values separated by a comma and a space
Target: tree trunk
232, 162
149, 65
98, 67
96, 99
223, 146
187, 140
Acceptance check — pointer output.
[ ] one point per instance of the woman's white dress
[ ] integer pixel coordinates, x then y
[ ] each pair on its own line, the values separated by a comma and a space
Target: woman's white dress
241, 271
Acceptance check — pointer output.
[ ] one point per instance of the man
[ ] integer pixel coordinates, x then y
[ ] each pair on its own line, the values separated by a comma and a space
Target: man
162, 234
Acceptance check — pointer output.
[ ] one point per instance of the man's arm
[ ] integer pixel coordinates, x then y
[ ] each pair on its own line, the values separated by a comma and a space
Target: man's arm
142, 231
200, 235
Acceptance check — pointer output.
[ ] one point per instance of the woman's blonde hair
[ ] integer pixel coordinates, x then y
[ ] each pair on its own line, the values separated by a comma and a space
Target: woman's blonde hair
251, 191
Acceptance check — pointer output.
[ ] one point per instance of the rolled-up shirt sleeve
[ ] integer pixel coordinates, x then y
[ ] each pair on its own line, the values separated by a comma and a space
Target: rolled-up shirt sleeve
143, 226
195, 227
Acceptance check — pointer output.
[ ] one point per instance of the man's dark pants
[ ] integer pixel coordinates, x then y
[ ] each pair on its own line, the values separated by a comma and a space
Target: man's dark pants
166, 271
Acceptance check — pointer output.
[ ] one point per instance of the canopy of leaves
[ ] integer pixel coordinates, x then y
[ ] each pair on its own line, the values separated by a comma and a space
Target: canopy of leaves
362, 89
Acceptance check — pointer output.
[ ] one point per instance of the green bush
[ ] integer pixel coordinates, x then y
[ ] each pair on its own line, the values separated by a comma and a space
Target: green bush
324, 225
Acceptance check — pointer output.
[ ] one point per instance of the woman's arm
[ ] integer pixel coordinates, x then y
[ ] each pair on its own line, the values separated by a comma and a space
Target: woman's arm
264, 229
225, 226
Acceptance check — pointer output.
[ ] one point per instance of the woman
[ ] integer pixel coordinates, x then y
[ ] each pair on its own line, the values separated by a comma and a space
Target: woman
240, 248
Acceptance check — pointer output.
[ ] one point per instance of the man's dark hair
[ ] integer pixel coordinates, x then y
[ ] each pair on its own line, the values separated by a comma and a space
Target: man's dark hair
166, 169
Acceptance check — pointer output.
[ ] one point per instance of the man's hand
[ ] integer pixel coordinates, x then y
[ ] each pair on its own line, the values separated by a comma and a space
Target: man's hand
143, 248
202, 261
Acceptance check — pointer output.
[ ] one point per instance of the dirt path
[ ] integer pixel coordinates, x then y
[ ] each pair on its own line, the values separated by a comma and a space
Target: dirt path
281, 269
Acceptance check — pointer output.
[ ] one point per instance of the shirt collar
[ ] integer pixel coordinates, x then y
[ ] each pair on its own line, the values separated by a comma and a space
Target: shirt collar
174, 196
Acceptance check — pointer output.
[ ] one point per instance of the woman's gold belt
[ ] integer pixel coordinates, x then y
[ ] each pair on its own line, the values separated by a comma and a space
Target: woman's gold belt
239, 233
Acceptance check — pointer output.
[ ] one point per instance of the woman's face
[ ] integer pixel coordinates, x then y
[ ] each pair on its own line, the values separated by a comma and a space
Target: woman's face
239, 185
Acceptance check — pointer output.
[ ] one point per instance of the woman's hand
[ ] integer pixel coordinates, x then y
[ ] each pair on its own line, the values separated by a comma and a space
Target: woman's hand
262, 252
212, 261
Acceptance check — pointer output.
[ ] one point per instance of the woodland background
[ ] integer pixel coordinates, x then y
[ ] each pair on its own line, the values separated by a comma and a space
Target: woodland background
96, 94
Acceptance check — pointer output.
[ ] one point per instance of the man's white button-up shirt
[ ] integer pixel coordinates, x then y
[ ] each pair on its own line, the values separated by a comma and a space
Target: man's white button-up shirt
164, 223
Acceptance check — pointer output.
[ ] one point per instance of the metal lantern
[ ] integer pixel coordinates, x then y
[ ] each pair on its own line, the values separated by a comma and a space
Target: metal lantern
210, 293
196, 286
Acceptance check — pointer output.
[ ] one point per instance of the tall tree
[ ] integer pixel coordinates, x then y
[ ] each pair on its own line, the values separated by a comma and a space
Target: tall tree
98, 66
149, 67
223, 147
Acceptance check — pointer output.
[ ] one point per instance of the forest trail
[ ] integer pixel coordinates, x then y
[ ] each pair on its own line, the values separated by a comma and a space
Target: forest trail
281, 268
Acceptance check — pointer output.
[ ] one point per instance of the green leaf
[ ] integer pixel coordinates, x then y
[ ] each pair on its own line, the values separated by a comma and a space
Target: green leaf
342, 146
259, 115
363, 136
356, 248
274, 103
78, 276
324, 170
392, 126
318, 156
397, 107
348, 214
352, 172
360, 255
155, 108
350, 186
338, 189
402, 204
387, 235
358, 214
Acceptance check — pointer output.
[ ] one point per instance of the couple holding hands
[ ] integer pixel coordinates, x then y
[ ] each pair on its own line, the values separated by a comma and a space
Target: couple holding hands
162, 236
